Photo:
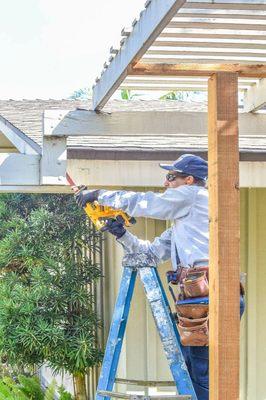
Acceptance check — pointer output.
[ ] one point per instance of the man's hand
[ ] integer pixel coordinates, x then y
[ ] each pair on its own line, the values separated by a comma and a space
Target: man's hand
86, 196
115, 227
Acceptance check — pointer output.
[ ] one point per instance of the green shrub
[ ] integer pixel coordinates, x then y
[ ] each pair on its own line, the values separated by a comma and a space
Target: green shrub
46, 310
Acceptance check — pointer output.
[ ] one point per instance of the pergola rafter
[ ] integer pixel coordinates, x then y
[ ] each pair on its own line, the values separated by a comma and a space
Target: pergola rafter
198, 39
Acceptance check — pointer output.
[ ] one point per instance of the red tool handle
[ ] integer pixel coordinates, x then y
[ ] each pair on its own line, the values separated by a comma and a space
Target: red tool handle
72, 183
70, 180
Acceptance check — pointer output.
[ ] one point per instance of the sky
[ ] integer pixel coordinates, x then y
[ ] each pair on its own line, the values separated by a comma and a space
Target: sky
50, 48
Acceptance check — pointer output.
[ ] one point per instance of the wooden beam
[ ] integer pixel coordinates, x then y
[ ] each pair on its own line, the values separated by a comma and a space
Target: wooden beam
255, 97
60, 123
19, 169
174, 87
53, 161
151, 23
54, 154
224, 210
90, 123
243, 70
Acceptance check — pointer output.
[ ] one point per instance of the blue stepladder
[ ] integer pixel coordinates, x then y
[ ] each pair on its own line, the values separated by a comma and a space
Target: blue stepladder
143, 266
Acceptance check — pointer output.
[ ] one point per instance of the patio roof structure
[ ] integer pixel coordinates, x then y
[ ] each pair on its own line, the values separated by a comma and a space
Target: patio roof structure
177, 45
219, 46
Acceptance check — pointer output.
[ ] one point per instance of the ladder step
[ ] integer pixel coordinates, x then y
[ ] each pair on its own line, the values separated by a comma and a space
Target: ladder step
145, 383
116, 395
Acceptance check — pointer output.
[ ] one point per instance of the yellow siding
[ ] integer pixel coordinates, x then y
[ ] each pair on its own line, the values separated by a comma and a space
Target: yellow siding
142, 356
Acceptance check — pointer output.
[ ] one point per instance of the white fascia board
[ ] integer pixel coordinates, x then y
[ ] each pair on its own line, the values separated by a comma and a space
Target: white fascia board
255, 96
151, 23
63, 123
19, 169
22, 142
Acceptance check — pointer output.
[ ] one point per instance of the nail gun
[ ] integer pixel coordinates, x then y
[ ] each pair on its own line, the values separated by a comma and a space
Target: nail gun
99, 214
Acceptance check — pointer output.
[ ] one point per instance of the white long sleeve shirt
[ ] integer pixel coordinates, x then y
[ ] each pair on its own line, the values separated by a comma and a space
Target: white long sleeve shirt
186, 206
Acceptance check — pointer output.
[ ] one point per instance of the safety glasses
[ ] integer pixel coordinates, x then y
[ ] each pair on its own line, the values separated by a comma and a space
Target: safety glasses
171, 177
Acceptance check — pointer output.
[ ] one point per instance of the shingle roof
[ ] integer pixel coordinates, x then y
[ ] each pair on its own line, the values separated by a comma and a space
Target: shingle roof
27, 116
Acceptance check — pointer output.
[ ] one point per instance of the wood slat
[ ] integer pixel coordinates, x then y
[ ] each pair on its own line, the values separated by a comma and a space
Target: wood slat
214, 34
207, 52
224, 212
216, 25
240, 5
226, 19
207, 60
251, 18
215, 44
207, 13
177, 79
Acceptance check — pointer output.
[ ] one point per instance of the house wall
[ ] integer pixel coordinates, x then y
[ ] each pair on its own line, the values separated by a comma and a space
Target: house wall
142, 357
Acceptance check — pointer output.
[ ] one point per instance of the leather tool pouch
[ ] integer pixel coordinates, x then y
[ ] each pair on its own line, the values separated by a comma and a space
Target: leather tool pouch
193, 319
194, 332
194, 311
196, 284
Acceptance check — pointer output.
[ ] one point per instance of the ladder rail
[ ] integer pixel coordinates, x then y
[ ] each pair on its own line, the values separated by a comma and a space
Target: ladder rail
117, 331
167, 329
165, 325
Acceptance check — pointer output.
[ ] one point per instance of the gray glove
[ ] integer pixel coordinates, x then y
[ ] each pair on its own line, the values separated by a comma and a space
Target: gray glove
86, 196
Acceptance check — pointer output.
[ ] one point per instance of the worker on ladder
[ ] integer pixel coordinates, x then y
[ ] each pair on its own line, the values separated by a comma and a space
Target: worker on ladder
185, 202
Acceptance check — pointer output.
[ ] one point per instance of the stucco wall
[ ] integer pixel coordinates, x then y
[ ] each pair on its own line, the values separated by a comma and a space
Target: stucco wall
142, 356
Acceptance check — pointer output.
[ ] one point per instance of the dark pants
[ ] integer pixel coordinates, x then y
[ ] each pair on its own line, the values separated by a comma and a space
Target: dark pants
197, 361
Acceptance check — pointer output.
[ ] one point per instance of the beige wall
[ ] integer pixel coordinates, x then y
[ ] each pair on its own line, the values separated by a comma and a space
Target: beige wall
142, 356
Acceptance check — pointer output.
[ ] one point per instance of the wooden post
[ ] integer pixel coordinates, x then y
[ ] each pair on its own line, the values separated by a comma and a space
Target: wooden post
224, 214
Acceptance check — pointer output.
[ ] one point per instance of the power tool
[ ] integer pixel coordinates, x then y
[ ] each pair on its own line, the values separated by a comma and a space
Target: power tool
98, 214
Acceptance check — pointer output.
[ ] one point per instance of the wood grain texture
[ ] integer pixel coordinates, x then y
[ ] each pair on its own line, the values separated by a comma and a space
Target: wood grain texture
224, 213
243, 70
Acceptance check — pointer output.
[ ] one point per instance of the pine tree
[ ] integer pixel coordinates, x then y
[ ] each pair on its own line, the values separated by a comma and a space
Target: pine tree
46, 310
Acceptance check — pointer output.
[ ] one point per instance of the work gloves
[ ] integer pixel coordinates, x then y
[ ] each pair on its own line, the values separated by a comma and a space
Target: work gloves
85, 196
115, 227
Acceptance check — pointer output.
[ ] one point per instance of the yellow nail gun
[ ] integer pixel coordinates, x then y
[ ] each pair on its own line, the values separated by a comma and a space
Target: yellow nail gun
98, 214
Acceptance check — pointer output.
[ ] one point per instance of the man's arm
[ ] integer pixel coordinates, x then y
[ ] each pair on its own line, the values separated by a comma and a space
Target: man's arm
160, 248
172, 204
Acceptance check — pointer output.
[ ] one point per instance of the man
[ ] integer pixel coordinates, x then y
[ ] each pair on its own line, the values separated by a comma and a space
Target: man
185, 202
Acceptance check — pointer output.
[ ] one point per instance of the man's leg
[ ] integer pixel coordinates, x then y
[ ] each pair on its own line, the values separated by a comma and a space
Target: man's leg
197, 362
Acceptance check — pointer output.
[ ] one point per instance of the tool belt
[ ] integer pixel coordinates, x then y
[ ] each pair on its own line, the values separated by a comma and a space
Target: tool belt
193, 319
192, 304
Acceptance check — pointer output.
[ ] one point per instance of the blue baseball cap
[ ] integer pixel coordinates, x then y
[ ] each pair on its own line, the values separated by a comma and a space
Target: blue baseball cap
189, 164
